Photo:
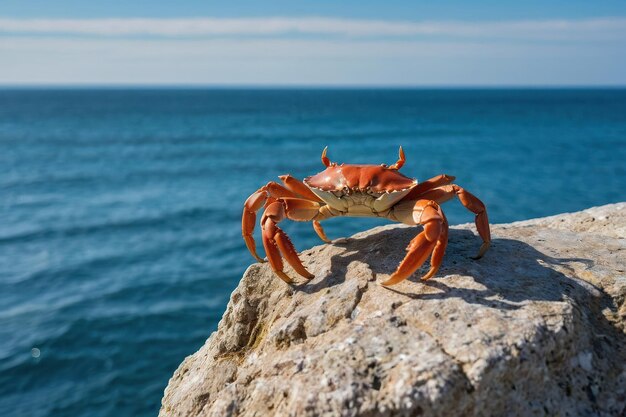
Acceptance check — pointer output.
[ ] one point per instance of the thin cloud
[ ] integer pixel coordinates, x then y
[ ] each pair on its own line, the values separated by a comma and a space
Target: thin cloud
597, 29
265, 61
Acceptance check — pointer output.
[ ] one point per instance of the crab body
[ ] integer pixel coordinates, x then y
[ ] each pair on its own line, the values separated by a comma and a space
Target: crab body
359, 191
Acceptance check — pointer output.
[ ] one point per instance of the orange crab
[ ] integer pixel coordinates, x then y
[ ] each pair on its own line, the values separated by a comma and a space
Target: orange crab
359, 191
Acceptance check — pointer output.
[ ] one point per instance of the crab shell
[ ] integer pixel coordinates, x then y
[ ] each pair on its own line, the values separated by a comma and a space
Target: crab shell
360, 190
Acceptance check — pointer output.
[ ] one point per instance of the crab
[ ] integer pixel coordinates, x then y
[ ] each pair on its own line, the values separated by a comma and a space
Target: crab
359, 191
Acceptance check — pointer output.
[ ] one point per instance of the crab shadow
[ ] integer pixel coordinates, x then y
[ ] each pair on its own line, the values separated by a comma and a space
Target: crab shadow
511, 272
511, 275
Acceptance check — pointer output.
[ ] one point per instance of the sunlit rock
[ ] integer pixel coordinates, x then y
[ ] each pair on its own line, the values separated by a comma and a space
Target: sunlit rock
536, 327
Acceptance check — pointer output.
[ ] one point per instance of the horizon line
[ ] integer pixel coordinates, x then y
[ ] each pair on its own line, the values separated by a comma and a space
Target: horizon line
252, 86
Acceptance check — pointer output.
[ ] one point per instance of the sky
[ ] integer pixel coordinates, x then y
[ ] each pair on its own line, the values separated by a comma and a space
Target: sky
313, 43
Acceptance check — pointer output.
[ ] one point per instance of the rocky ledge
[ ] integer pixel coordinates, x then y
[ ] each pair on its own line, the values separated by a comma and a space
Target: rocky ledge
536, 327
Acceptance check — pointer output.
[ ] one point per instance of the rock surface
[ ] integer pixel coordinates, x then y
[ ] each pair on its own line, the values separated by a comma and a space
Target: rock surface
536, 327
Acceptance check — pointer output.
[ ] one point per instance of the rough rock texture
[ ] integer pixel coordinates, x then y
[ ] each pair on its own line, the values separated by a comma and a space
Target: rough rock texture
536, 327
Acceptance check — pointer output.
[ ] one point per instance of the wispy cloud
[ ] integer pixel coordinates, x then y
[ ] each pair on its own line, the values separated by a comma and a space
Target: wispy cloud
562, 29
32, 60
312, 51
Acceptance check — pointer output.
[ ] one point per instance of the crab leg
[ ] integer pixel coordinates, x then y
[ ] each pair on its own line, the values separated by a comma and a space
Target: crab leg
276, 242
252, 205
295, 185
320, 231
422, 187
434, 235
248, 218
298, 187
470, 202
440, 249
325, 212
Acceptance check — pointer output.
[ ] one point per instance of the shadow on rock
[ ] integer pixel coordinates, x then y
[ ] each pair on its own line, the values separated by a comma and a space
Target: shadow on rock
510, 273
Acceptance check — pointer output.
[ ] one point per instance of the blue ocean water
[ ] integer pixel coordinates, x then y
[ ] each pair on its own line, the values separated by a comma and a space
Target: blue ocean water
120, 209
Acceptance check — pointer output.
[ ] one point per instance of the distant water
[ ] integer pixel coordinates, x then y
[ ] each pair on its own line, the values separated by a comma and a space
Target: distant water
120, 209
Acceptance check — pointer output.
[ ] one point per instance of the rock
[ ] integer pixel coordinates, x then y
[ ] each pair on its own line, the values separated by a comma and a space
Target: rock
536, 327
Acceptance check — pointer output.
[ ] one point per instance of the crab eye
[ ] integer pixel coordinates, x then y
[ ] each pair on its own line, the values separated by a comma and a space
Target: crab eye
383, 165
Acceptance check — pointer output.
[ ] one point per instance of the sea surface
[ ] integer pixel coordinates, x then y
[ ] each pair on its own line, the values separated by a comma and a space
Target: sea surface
120, 209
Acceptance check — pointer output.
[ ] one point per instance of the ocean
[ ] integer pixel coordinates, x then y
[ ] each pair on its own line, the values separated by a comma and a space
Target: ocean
120, 209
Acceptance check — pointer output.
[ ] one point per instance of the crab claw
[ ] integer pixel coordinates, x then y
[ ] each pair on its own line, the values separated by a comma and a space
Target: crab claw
292, 200
418, 252
276, 242
432, 240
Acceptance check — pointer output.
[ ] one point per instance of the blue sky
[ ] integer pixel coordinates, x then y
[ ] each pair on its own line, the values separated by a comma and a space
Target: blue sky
388, 9
361, 43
